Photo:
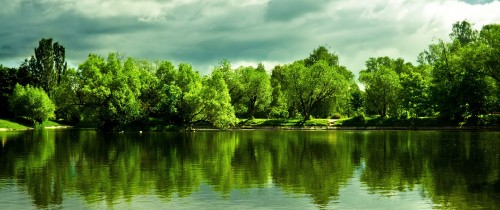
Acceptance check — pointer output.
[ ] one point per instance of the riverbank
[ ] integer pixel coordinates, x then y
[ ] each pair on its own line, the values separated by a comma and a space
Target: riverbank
289, 124
16, 125
358, 123
443, 128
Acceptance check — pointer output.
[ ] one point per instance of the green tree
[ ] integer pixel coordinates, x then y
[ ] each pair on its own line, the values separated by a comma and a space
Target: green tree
308, 87
232, 80
108, 90
65, 99
490, 36
31, 103
463, 32
382, 86
48, 66
356, 101
415, 91
217, 102
8, 81
279, 107
189, 105
255, 92
463, 85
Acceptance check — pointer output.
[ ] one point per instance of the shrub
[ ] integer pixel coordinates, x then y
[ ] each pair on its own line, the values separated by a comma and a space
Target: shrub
31, 103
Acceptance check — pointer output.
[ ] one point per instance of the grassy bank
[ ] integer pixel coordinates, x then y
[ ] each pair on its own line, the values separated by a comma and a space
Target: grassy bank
282, 123
17, 124
9, 125
423, 122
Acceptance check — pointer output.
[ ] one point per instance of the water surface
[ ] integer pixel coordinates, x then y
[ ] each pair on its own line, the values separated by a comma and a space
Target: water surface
85, 169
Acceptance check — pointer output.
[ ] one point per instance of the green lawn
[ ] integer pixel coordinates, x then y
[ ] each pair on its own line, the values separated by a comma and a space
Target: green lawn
283, 122
20, 124
11, 125
48, 123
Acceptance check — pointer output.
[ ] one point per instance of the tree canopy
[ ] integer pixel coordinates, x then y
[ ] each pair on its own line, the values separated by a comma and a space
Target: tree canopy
456, 80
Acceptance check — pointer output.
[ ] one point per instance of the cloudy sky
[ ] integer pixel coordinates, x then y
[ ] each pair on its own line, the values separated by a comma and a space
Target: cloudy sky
202, 32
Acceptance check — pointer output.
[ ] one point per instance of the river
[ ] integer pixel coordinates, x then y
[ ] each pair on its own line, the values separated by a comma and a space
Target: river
87, 169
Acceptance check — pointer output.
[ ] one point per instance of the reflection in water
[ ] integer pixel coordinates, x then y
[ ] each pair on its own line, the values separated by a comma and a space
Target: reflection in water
449, 169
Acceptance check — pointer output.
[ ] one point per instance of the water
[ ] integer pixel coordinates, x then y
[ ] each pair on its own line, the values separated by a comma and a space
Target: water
250, 170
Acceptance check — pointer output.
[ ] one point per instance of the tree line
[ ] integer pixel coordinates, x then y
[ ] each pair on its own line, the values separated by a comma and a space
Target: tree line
456, 80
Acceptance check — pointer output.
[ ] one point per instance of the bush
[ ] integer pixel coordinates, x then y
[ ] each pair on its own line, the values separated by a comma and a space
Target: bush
355, 121
31, 103
336, 116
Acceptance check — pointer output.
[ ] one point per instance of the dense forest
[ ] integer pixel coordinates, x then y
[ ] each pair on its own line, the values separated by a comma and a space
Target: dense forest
456, 80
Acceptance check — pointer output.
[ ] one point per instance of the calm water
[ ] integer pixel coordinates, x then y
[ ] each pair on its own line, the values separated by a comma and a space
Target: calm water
250, 170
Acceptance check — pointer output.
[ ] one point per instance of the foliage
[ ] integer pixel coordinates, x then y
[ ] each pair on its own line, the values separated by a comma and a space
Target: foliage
255, 92
107, 91
464, 86
456, 80
307, 88
283, 122
8, 80
46, 68
31, 103
382, 84
7, 124
217, 102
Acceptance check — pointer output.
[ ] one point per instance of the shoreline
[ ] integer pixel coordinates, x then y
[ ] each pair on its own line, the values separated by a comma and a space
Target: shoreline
443, 128
312, 128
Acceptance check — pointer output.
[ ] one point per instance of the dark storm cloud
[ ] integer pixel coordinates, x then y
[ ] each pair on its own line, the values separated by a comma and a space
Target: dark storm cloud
284, 10
252, 31
478, 1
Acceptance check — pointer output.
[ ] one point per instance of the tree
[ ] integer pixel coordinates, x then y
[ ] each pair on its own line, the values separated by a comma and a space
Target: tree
107, 91
415, 92
322, 54
48, 65
65, 99
232, 80
279, 107
255, 92
356, 101
490, 36
31, 103
382, 86
8, 81
463, 85
463, 32
217, 102
308, 87
189, 105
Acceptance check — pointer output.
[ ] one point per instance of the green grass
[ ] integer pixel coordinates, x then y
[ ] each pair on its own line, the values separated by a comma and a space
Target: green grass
283, 122
48, 123
21, 124
361, 121
11, 125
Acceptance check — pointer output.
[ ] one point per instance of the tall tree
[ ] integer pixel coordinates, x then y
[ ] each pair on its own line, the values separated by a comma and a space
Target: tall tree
382, 86
255, 92
47, 67
44, 55
460, 86
31, 103
490, 36
463, 32
217, 101
279, 107
108, 91
8, 81
308, 87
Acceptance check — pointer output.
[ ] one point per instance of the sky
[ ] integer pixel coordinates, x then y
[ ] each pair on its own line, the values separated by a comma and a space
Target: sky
246, 32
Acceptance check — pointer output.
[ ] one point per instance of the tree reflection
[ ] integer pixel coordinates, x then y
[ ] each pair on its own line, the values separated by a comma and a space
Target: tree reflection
453, 169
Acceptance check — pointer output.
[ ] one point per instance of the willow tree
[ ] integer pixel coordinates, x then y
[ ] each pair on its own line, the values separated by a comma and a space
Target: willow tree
382, 86
308, 87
